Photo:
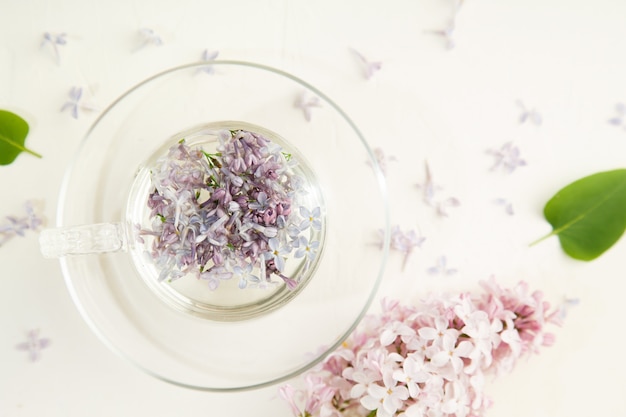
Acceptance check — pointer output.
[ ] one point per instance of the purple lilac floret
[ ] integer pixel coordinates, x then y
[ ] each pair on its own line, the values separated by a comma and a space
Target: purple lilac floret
230, 214
34, 345
18, 225
428, 359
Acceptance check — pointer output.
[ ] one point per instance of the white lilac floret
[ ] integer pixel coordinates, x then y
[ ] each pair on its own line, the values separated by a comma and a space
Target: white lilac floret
230, 214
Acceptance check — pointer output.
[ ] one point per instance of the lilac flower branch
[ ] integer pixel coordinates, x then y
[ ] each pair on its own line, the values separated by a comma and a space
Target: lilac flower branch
427, 359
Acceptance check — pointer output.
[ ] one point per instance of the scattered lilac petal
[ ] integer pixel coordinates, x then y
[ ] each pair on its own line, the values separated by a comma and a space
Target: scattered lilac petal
529, 114
508, 206
441, 267
369, 67
566, 305
429, 191
305, 102
442, 206
447, 33
619, 119
54, 40
382, 159
17, 226
33, 345
507, 158
77, 102
428, 187
148, 37
208, 56
403, 242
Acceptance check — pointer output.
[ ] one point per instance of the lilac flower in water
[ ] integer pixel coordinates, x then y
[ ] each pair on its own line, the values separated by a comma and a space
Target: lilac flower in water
208, 56
369, 67
147, 37
228, 214
54, 40
77, 102
441, 267
306, 248
276, 253
306, 103
507, 158
529, 114
311, 218
619, 120
17, 226
244, 275
34, 345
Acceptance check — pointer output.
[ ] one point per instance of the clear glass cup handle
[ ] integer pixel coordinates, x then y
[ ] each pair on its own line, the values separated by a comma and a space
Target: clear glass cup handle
81, 240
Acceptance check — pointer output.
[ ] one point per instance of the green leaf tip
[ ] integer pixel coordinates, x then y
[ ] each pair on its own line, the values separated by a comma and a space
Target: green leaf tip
588, 215
13, 132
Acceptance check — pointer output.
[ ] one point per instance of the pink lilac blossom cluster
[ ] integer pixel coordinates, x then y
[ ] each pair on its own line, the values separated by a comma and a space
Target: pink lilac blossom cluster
429, 359
229, 214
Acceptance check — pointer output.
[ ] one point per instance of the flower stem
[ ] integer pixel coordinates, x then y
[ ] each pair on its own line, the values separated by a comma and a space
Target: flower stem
542, 238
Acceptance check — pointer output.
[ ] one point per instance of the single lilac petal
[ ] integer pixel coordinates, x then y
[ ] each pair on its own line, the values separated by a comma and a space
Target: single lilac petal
34, 344
382, 159
508, 206
147, 37
305, 103
208, 56
54, 40
76, 101
369, 67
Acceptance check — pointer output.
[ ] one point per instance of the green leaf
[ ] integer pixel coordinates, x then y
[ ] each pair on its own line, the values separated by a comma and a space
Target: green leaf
589, 215
13, 132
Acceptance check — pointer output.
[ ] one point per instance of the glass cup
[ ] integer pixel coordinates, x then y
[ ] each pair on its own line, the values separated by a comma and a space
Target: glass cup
183, 330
